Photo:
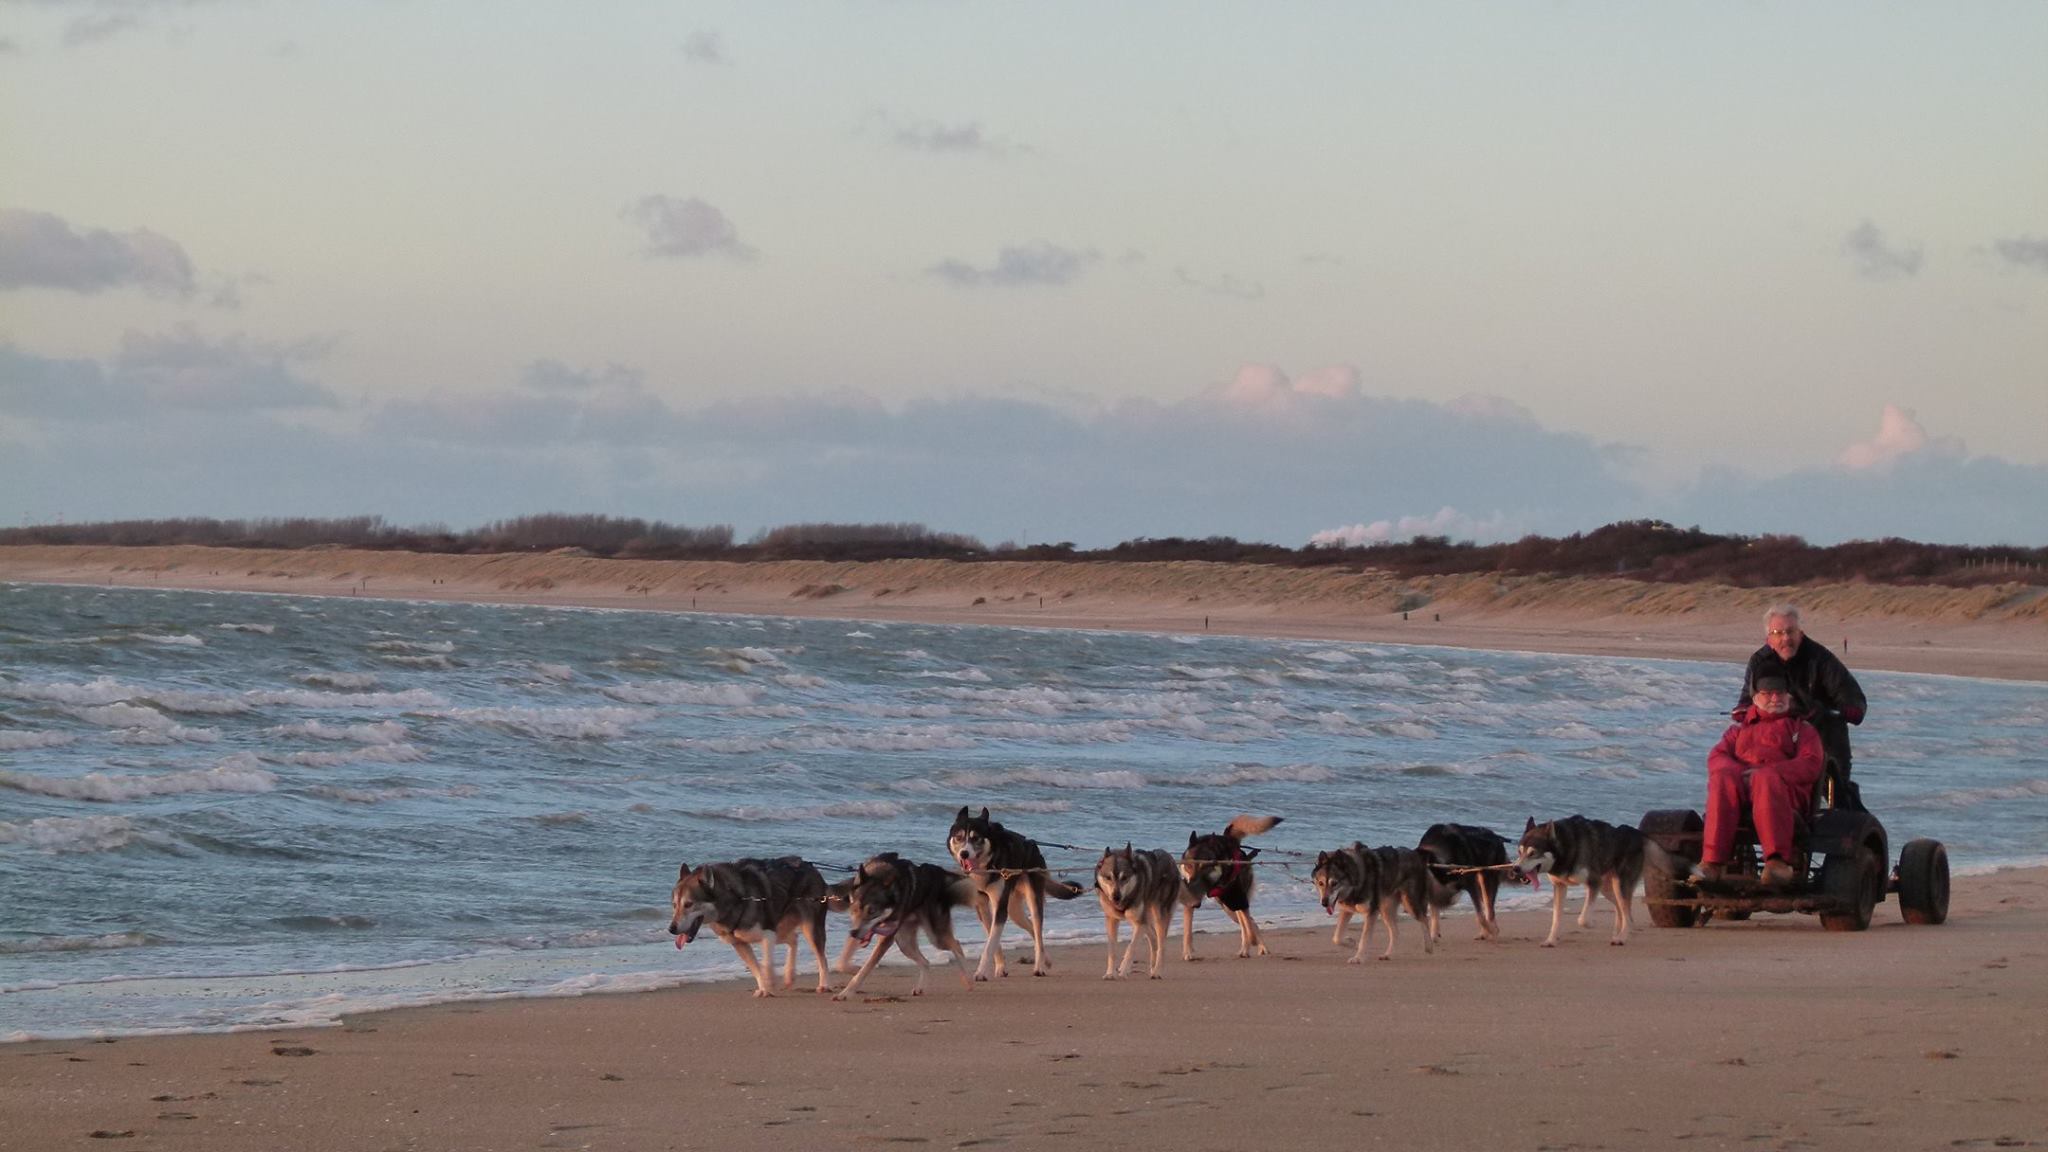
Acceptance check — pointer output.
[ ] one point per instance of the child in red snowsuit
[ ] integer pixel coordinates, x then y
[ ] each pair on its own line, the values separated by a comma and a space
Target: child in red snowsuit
1768, 762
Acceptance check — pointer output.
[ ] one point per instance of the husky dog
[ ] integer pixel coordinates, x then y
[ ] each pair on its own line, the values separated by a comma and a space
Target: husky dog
1369, 882
894, 899
755, 900
1463, 846
1008, 871
1140, 886
1602, 856
1220, 865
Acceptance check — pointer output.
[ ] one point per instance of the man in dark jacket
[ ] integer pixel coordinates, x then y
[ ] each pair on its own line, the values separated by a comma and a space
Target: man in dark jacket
1823, 691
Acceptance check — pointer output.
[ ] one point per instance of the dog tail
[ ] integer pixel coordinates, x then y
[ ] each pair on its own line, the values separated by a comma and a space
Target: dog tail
1244, 827
1061, 889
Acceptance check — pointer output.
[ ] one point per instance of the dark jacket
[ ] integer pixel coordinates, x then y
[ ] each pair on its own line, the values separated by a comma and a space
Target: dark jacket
1820, 685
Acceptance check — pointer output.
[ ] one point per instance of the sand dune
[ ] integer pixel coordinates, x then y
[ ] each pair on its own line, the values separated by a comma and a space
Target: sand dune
1999, 630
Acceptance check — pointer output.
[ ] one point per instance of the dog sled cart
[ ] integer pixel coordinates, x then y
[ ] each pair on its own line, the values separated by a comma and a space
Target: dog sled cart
1838, 867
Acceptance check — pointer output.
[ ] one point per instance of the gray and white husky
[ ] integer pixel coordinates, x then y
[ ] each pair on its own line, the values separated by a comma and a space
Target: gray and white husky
1604, 857
1220, 866
751, 901
1375, 882
1141, 887
1009, 872
891, 900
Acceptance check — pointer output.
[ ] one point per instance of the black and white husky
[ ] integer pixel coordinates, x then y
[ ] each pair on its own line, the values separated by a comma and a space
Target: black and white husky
1220, 866
1471, 860
891, 900
1604, 857
1140, 886
1375, 882
1008, 871
749, 901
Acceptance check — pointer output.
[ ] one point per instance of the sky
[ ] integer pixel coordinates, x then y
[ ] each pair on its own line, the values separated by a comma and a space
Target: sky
1031, 272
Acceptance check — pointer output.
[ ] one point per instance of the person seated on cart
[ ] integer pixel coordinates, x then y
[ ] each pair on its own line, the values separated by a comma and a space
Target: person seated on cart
1823, 691
1766, 764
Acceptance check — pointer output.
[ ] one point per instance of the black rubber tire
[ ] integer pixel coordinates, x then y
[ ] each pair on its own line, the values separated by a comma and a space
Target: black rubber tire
1856, 881
1661, 885
1923, 882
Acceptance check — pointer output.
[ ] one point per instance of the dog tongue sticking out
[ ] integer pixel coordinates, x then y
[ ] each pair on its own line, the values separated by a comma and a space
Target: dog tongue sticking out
680, 942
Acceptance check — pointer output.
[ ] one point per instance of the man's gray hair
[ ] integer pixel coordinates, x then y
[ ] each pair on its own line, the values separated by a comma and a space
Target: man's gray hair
1787, 610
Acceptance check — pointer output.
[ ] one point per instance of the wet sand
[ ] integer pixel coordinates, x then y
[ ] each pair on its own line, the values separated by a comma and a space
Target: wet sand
1766, 1034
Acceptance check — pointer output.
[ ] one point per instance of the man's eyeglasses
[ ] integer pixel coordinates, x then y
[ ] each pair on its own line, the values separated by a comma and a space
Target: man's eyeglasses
1782, 632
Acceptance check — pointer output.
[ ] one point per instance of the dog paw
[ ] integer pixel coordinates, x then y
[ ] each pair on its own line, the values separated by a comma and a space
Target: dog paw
1548, 944
1356, 960
1157, 976
917, 991
762, 994
1617, 943
839, 998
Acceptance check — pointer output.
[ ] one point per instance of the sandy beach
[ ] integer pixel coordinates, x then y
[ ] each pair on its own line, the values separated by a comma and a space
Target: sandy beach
1766, 1034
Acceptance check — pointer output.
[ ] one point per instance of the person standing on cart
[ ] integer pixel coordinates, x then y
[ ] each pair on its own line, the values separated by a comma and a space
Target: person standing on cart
1824, 692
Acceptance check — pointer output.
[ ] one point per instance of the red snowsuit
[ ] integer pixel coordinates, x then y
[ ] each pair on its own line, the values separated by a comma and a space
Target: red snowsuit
1768, 763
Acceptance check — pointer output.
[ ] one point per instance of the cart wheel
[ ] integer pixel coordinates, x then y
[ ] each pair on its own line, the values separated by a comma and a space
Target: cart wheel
1659, 885
1854, 881
1923, 882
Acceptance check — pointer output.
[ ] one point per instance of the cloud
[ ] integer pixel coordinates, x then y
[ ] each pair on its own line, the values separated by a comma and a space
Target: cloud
553, 404
1225, 284
41, 250
1446, 522
967, 137
2023, 252
704, 47
1038, 264
1875, 258
683, 229
181, 371
1898, 434
99, 27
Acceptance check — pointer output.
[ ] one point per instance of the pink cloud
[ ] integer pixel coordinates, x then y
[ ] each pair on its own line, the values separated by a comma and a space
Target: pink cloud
1898, 434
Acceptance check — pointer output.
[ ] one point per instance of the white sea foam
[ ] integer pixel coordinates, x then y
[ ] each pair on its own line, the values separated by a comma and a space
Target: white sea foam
1193, 673
412, 698
259, 629
439, 647
684, 692
69, 834
175, 640
383, 732
553, 723
100, 690
927, 739
374, 754
1268, 774
441, 663
346, 681
554, 671
16, 741
237, 773
846, 810
383, 795
1046, 778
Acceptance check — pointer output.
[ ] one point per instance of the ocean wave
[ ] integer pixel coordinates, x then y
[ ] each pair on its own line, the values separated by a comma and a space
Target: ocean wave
346, 681
438, 647
79, 943
684, 692
238, 773
174, 640
934, 738
1267, 774
438, 663
554, 671
17, 741
1046, 778
413, 698
100, 690
374, 754
383, 732
1972, 797
1190, 672
552, 723
385, 795
845, 810
259, 629
70, 834
958, 675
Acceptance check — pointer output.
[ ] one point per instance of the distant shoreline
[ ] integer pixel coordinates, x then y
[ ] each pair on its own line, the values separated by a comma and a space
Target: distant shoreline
1998, 632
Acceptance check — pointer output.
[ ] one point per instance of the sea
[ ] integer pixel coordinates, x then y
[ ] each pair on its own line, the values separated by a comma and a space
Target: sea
224, 812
